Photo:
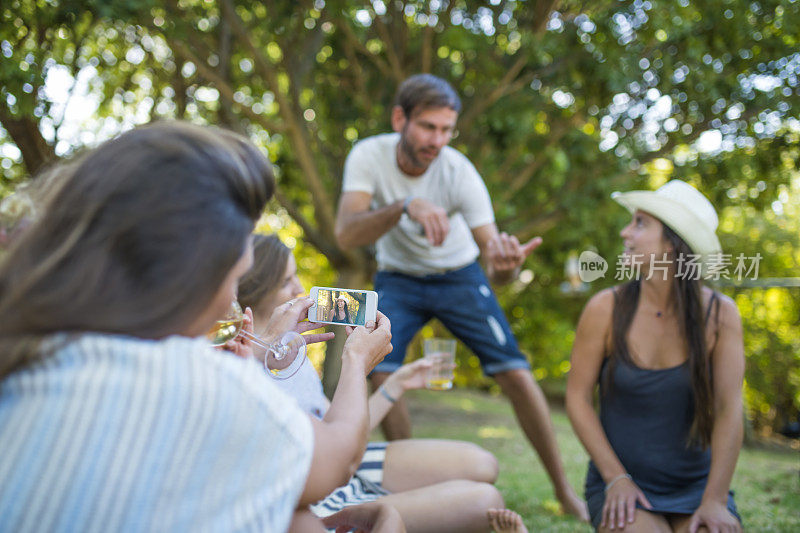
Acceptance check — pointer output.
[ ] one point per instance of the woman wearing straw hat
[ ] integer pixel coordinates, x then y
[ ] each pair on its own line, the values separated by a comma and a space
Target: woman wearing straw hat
667, 355
340, 312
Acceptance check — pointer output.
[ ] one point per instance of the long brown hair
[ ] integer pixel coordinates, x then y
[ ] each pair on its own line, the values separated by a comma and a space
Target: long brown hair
270, 256
688, 293
137, 239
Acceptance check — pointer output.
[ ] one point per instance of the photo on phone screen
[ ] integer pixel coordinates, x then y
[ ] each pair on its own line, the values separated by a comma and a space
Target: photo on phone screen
343, 306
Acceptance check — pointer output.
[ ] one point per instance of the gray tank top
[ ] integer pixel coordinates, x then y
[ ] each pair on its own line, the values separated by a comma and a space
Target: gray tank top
647, 416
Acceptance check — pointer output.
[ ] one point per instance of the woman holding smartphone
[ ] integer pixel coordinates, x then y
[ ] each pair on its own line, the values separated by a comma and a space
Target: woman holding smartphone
667, 355
115, 413
436, 485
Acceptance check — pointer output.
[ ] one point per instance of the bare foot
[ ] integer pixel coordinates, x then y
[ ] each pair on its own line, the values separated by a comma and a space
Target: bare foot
572, 504
505, 521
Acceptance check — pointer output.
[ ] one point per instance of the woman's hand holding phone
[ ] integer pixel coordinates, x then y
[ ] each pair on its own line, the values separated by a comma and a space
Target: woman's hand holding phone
291, 316
368, 345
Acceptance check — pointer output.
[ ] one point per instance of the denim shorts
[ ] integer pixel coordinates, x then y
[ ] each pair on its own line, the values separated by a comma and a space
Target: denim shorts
463, 301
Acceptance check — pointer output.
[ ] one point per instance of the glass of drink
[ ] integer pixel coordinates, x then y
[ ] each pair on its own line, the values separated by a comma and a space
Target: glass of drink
282, 359
442, 353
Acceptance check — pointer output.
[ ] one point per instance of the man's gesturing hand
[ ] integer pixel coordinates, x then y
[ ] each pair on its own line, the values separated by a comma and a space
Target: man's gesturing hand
505, 253
432, 217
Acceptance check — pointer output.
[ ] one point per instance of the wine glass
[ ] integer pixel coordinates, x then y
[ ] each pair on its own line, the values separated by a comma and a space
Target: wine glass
282, 359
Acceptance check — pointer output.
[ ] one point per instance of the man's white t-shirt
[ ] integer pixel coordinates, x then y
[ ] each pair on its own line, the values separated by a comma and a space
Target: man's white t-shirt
451, 182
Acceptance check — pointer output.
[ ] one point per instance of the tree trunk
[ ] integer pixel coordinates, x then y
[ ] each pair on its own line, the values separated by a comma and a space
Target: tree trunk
24, 131
227, 117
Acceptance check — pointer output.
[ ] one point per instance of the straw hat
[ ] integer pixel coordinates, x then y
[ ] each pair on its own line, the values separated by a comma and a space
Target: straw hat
684, 209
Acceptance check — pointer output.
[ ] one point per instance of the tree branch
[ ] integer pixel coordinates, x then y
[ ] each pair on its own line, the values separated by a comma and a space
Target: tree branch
359, 46
310, 232
314, 237
357, 74
296, 132
391, 53
226, 115
24, 131
541, 11
448, 13
481, 104
427, 44
541, 224
225, 90
531, 168
74, 74
305, 57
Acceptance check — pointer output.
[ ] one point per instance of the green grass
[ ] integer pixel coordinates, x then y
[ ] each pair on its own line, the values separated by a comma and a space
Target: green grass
767, 483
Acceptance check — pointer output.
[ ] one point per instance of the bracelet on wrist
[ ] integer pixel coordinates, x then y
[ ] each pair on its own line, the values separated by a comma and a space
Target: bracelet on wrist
405, 204
621, 476
386, 394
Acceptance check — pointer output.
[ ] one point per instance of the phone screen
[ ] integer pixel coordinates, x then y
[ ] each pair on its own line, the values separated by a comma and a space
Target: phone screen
342, 306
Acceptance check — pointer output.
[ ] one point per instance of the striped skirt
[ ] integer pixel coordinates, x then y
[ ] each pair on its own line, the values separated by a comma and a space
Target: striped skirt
364, 487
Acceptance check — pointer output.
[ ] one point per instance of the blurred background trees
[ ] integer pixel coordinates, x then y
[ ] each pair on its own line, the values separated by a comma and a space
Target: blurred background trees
564, 102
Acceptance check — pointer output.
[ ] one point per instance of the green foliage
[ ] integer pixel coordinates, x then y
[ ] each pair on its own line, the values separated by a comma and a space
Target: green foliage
564, 102
772, 388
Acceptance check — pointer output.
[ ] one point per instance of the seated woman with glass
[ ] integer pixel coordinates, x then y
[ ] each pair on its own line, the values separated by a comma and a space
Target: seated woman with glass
436, 485
115, 412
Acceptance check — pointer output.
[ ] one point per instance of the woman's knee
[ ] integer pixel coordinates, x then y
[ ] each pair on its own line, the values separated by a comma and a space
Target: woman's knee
474, 463
486, 496
482, 464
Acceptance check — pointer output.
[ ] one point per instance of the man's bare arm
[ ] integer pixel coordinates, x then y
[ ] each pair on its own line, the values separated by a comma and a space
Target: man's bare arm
357, 225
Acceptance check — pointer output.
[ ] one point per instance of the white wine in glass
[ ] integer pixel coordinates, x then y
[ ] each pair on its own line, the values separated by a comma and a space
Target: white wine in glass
282, 360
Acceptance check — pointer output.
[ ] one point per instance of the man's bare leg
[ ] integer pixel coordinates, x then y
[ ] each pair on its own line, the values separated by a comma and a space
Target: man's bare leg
533, 415
396, 425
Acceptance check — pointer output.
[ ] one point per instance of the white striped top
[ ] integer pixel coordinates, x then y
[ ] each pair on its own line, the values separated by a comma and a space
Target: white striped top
114, 433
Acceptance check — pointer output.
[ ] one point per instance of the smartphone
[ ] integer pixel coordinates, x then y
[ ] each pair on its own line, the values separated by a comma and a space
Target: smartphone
342, 306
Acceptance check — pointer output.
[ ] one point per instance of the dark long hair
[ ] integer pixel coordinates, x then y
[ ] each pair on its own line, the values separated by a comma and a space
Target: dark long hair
346, 310
270, 256
136, 240
688, 293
